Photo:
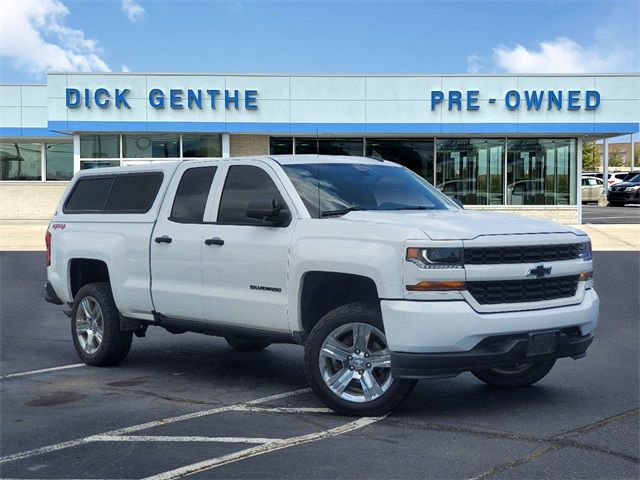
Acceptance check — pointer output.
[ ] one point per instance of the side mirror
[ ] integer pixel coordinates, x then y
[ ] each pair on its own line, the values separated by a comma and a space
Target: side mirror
269, 213
458, 202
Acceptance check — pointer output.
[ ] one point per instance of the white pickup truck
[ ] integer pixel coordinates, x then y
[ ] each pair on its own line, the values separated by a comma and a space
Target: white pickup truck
382, 278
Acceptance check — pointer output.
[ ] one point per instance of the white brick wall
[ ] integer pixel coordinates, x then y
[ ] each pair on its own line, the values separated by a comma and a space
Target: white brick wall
29, 200
244, 145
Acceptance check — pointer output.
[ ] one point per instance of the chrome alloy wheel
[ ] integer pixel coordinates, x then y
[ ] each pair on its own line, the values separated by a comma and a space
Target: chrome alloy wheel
355, 362
89, 324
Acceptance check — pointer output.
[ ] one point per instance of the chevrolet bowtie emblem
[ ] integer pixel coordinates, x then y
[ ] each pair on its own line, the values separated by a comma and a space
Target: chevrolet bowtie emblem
539, 271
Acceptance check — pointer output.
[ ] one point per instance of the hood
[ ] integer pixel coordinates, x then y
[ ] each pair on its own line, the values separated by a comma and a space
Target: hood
462, 224
625, 184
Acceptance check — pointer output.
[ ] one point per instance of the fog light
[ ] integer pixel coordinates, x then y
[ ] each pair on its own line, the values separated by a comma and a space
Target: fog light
584, 276
587, 278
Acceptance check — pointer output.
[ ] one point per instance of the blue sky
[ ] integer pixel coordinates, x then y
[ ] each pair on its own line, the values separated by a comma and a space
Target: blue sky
318, 36
262, 36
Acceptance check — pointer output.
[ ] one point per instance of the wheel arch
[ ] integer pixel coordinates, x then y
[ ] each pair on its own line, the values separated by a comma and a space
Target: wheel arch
83, 271
323, 291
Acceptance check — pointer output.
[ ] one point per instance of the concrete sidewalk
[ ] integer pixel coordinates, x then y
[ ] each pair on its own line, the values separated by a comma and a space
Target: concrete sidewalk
25, 235
22, 235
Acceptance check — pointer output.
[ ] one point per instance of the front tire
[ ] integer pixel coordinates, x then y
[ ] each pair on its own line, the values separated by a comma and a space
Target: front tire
348, 363
517, 376
95, 327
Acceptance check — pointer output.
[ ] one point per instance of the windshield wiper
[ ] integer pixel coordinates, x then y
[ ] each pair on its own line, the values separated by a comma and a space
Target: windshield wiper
413, 207
344, 211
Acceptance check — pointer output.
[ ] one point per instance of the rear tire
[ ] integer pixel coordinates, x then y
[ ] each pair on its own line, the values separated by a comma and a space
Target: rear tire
95, 327
241, 344
359, 371
517, 376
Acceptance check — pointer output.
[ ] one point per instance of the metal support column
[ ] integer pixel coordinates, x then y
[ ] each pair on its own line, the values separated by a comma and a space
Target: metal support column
226, 145
605, 173
605, 165
76, 153
578, 187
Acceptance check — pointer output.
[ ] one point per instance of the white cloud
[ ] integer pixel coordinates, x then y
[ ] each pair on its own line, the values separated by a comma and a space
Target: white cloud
33, 33
474, 63
134, 11
236, 7
125, 69
613, 48
561, 55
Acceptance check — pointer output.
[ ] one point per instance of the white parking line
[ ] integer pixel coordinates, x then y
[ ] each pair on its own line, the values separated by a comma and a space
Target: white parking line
42, 370
258, 408
264, 445
144, 426
262, 449
606, 218
161, 438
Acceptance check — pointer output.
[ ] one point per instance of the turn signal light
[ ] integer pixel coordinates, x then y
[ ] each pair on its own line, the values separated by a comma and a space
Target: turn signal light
435, 286
584, 276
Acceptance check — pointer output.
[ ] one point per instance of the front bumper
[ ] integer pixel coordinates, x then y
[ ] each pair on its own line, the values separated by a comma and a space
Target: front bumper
492, 352
431, 338
454, 326
623, 197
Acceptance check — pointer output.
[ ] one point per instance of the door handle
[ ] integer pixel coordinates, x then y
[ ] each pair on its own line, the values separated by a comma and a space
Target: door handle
164, 239
214, 241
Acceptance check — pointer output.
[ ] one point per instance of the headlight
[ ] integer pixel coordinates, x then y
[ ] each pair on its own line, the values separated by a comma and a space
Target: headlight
435, 257
586, 254
632, 189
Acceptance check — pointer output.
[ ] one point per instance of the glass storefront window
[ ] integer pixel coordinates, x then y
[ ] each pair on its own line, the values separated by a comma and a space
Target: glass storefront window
281, 145
150, 146
330, 146
99, 146
87, 164
306, 146
471, 170
20, 161
205, 145
416, 155
59, 161
541, 171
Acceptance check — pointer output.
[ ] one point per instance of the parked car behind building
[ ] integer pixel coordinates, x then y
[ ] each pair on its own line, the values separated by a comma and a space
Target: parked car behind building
591, 188
625, 192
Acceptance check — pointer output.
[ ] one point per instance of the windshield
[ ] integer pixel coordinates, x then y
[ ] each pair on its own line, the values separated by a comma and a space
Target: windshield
633, 178
336, 188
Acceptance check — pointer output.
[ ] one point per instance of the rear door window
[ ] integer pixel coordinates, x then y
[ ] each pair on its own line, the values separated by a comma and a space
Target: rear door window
191, 196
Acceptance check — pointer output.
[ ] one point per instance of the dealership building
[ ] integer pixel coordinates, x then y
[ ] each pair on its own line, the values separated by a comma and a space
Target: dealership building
496, 142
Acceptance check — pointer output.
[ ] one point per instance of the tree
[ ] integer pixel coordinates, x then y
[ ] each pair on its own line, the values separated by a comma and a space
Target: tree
590, 157
615, 158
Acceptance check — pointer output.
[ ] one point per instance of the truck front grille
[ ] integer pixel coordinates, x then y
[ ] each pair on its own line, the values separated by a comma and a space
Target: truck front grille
524, 254
522, 291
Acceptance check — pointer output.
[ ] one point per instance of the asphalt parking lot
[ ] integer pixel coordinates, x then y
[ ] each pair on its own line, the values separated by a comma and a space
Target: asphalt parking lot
187, 405
629, 214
